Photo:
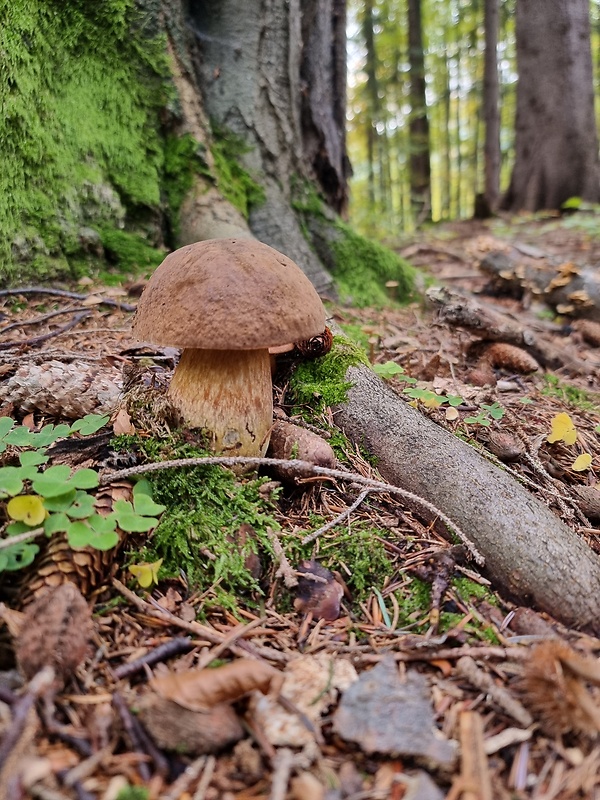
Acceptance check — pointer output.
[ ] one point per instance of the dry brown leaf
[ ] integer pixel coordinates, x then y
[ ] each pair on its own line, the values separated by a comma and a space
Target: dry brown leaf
122, 425
200, 690
318, 591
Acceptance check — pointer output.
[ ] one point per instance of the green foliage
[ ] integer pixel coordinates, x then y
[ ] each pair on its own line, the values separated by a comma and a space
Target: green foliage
82, 92
197, 534
234, 182
133, 793
391, 370
322, 382
130, 251
487, 414
56, 500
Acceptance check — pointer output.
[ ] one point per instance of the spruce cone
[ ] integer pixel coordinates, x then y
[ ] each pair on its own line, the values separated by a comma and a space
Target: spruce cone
64, 390
86, 567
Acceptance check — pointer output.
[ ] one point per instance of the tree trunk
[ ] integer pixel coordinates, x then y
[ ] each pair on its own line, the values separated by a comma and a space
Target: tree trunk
491, 107
420, 169
556, 143
256, 61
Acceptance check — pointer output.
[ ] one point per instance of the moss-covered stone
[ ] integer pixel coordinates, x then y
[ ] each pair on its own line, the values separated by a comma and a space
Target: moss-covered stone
129, 251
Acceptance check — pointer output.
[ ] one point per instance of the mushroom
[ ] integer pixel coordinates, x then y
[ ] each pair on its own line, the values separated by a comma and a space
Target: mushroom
226, 302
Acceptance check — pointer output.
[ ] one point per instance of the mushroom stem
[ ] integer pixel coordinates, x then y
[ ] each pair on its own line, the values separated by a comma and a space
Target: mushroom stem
229, 394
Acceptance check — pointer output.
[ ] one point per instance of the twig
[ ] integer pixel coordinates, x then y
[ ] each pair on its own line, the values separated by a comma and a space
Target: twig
180, 644
40, 683
44, 337
304, 469
204, 782
282, 770
237, 633
43, 318
285, 569
340, 518
180, 787
20, 537
467, 668
209, 634
105, 301
140, 740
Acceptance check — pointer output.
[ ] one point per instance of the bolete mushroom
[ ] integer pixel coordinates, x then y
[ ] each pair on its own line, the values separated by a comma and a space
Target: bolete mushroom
225, 302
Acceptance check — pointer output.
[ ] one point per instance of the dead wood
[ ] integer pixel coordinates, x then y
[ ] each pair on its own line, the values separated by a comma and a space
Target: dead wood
461, 311
530, 554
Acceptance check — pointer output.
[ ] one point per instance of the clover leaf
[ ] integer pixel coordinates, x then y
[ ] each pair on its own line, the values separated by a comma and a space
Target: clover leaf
89, 424
129, 521
11, 482
17, 556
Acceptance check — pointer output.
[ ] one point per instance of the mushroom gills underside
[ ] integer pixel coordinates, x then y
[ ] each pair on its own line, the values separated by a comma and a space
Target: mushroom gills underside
229, 394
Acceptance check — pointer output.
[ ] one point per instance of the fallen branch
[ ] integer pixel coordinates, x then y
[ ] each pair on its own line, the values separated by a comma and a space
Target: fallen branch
529, 553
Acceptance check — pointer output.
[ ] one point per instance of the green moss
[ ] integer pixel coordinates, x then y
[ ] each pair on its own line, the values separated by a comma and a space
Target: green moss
356, 333
572, 395
133, 793
362, 268
234, 182
129, 251
184, 158
322, 382
205, 508
353, 550
82, 88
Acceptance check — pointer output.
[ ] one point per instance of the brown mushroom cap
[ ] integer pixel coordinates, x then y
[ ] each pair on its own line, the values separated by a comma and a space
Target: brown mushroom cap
228, 294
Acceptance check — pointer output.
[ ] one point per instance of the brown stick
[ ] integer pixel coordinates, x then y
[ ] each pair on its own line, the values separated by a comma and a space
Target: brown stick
44, 337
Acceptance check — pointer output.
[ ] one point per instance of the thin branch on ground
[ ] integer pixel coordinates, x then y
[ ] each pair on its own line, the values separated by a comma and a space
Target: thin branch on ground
174, 647
44, 337
340, 517
20, 537
285, 569
303, 469
104, 301
43, 318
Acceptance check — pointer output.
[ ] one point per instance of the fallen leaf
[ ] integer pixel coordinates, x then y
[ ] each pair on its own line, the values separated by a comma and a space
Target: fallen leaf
122, 425
563, 429
201, 689
146, 574
27, 508
451, 414
320, 597
582, 462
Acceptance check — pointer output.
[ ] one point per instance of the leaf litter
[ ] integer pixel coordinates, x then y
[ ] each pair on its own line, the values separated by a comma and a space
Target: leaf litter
410, 679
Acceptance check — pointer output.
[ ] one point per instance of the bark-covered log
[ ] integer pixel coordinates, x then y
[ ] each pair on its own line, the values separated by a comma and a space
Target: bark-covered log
530, 554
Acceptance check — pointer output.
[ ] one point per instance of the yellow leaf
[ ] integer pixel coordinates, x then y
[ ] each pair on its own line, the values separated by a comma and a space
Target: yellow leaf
27, 508
432, 402
582, 462
563, 430
146, 574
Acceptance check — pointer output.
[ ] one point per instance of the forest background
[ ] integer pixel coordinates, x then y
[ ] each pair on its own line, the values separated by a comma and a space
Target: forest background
449, 52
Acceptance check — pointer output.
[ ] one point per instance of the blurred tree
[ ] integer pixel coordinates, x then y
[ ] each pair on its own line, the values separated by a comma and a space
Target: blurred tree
420, 168
556, 145
491, 108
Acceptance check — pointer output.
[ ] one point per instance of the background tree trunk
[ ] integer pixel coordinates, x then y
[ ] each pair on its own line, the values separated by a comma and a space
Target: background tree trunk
271, 73
420, 169
491, 106
556, 142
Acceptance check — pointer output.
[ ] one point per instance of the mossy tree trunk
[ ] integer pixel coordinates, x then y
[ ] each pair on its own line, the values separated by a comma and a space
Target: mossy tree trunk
107, 150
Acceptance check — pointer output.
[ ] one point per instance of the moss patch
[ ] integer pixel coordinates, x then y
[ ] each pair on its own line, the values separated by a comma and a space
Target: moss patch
322, 382
233, 181
360, 266
83, 85
205, 508
129, 251
184, 158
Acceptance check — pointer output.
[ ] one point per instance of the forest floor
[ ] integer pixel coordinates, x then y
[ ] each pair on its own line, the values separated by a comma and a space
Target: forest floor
426, 683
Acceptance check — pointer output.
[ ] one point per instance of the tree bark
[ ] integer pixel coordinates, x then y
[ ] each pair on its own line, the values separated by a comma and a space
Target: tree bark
420, 168
556, 142
256, 63
491, 106
530, 554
